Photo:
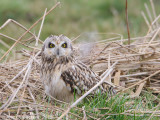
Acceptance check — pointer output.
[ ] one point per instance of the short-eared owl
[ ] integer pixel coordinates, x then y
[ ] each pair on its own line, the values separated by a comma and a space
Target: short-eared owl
62, 74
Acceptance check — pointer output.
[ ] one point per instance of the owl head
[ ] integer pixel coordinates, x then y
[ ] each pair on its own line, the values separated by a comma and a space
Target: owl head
57, 46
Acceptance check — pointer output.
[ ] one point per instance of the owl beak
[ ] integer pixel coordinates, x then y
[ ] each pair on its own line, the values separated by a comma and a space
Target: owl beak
58, 52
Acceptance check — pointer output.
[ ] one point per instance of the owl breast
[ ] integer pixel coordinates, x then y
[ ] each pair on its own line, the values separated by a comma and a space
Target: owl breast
54, 84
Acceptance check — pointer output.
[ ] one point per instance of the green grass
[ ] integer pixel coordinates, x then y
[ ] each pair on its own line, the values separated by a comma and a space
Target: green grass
118, 107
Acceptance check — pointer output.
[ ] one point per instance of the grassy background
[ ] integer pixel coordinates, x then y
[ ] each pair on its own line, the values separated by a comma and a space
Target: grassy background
76, 17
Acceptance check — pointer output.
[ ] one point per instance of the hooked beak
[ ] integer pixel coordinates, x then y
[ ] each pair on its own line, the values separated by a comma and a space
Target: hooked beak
58, 52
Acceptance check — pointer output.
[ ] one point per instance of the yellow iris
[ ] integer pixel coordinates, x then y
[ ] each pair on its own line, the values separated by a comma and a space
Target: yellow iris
64, 45
51, 45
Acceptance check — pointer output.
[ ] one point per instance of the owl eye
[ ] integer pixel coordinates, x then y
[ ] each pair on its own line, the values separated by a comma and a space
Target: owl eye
51, 45
64, 45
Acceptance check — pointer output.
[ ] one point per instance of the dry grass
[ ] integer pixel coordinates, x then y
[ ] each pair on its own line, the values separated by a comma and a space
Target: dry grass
137, 69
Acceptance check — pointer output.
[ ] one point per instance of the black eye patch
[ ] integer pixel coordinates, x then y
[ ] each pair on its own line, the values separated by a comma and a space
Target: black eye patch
51, 45
64, 45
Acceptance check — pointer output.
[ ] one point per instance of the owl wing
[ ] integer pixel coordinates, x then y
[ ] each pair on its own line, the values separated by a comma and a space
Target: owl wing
79, 78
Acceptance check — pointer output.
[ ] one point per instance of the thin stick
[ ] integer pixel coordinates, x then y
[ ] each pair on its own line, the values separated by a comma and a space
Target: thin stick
76, 38
40, 28
127, 24
37, 113
146, 20
87, 93
148, 12
152, 39
107, 71
18, 42
109, 65
20, 25
156, 19
153, 10
84, 113
142, 80
4, 44
29, 30
19, 106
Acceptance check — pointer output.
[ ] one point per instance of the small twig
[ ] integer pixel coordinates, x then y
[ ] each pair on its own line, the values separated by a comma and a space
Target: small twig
37, 113
20, 25
19, 107
142, 80
138, 91
18, 42
84, 113
146, 20
4, 44
76, 38
129, 41
132, 75
109, 65
154, 12
148, 12
155, 20
107, 71
154, 36
37, 38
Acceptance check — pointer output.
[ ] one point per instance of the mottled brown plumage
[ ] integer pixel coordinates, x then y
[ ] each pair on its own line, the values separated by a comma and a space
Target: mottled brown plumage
62, 74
